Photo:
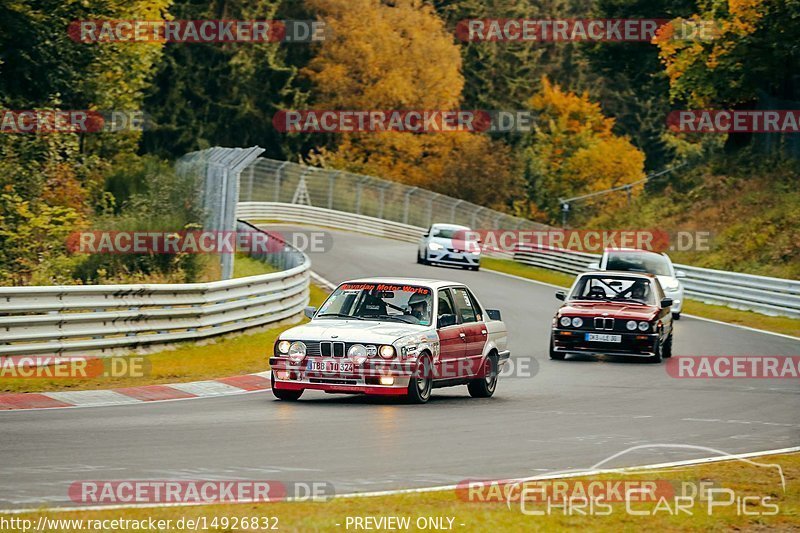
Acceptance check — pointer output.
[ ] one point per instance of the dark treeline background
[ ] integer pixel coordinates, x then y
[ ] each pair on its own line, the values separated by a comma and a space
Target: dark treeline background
601, 111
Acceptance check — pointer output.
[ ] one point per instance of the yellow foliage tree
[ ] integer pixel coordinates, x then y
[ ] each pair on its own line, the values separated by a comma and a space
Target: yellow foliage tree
574, 151
400, 56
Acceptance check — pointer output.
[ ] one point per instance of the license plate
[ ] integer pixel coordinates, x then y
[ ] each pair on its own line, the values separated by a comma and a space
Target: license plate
603, 337
329, 366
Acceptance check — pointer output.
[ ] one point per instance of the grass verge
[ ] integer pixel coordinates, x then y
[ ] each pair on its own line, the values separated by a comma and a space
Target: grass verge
777, 324
756, 492
216, 358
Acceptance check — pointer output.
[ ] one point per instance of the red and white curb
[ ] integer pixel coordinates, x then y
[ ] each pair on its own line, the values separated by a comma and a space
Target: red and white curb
244, 384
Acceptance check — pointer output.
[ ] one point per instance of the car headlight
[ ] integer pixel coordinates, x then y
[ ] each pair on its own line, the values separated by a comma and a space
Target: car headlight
577, 322
631, 325
357, 353
283, 347
435, 246
644, 326
387, 351
565, 321
297, 352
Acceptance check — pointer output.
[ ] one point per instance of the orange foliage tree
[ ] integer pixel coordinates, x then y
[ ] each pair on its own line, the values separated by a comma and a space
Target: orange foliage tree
573, 151
400, 56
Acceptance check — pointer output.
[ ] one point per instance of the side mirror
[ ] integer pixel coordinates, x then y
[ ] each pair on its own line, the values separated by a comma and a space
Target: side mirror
666, 302
594, 265
680, 274
494, 314
309, 311
446, 320
561, 295
426, 234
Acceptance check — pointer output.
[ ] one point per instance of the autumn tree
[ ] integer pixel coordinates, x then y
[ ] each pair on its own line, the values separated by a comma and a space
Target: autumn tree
401, 56
573, 151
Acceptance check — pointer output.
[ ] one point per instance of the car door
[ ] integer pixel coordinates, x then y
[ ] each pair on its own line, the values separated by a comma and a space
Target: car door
473, 329
451, 336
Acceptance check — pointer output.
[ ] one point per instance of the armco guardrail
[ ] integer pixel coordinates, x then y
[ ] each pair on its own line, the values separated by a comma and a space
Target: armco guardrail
56, 319
771, 296
317, 216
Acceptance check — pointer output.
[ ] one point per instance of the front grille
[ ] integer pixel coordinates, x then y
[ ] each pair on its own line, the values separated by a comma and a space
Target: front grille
312, 348
603, 323
332, 349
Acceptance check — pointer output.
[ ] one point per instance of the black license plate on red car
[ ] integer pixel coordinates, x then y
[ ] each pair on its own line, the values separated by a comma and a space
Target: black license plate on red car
603, 337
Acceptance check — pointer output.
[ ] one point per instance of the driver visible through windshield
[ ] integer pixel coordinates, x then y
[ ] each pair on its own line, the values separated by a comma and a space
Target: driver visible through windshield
613, 289
411, 304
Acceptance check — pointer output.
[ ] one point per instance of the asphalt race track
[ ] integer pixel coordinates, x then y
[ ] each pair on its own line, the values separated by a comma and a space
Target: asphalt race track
570, 414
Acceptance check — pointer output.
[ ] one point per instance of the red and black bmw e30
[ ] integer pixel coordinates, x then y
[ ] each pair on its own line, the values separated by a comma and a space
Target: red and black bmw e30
613, 313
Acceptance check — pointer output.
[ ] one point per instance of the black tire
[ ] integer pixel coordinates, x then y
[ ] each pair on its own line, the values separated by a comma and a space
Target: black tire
676, 316
419, 258
666, 352
476, 268
421, 383
284, 394
554, 354
657, 358
484, 387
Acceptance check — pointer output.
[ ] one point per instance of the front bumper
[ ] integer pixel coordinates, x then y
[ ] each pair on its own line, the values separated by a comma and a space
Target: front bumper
573, 341
363, 380
447, 257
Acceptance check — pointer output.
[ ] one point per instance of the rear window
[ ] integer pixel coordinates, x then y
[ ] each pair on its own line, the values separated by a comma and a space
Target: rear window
639, 262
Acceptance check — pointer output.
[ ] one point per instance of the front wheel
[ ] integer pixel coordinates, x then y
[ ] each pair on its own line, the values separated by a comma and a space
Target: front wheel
676, 316
553, 353
484, 386
667, 351
285, 394
656, 358
421, 382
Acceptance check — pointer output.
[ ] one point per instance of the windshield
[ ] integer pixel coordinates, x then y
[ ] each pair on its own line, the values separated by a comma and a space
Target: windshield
639, 262
613, 289
448, 233
411, 304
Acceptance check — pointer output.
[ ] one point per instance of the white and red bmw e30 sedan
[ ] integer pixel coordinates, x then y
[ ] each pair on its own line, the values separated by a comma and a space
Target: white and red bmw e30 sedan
392, 336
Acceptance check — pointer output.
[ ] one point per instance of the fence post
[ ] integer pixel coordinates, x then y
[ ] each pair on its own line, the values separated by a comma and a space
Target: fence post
278, 181
406, 201
453, 211
331, 184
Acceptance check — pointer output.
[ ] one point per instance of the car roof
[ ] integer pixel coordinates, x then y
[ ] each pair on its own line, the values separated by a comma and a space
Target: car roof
632, 250
444, 225
432, 283
620, 274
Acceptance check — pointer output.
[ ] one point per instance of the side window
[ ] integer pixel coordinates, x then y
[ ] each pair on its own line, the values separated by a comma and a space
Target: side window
446, 306
465, 306
476, 306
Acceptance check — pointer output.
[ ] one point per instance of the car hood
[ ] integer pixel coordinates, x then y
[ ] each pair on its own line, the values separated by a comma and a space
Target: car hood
614, 310
364, 331
457, 243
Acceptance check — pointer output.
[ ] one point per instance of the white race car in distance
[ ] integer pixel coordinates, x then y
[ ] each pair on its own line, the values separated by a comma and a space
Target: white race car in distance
449, 244
390, 336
